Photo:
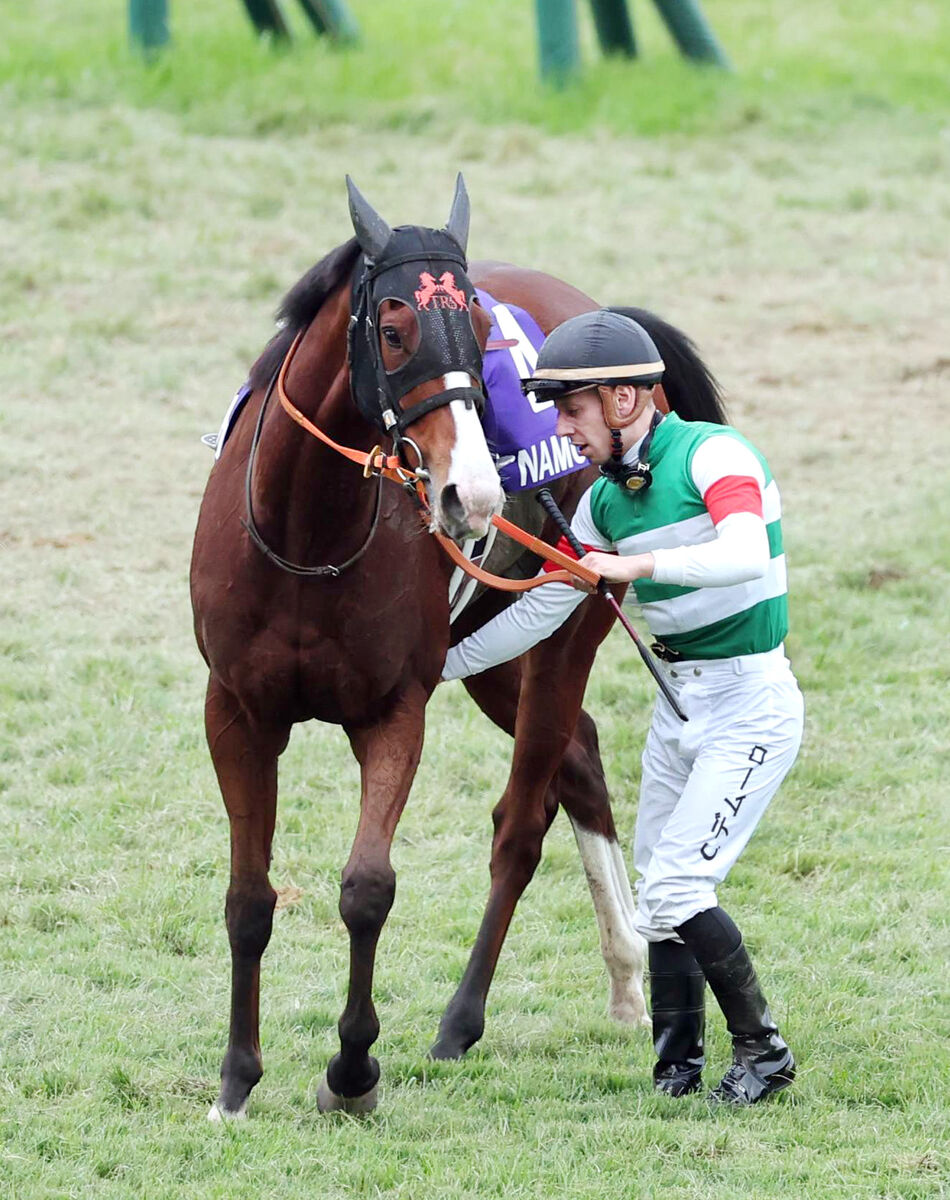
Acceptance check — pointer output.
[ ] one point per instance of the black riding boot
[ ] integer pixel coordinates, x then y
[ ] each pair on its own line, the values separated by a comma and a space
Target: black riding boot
761, 1060
677, 995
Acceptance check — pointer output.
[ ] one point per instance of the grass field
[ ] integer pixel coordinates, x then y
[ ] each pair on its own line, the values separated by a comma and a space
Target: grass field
793, 218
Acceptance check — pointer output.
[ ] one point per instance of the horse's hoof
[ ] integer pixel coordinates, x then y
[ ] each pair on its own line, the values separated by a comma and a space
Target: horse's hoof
459, 1030
627, 1006
634, 1015
328, 1101
216, 1113
446, 1049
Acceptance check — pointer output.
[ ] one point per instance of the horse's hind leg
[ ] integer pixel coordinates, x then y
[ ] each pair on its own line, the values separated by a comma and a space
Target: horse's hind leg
521, 819
245, 759
388, 754
582, 791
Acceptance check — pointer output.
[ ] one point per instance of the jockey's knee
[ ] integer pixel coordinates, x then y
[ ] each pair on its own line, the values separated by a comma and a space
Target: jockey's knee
665, 901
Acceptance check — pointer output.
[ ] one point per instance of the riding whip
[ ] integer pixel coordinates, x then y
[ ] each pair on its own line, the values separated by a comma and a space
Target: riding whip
549, 504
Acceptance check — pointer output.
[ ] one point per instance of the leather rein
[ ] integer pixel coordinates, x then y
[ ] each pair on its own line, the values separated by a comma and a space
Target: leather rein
379, 465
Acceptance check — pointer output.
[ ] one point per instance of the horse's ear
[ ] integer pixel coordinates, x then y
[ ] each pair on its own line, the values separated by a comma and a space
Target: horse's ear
371, 230
458, 221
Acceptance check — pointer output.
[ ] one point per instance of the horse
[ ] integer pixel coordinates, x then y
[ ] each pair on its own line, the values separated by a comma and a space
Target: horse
318, 594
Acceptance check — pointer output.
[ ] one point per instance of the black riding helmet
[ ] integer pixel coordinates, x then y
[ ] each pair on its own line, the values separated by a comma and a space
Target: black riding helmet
597, 348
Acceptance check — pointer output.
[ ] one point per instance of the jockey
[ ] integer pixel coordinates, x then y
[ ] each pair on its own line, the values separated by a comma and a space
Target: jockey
689, 514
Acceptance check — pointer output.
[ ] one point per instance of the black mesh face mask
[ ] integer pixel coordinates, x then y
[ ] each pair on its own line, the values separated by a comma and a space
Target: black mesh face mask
425, 270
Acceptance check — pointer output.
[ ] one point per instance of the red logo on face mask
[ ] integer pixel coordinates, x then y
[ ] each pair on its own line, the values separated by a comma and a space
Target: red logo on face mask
439, 293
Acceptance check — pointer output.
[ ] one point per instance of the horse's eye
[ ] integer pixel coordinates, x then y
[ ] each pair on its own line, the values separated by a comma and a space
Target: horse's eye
392, 337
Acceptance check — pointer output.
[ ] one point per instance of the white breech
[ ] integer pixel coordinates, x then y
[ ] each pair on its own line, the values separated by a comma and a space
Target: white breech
706, 783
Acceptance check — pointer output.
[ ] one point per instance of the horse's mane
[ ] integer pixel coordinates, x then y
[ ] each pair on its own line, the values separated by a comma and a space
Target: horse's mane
692, 389
301, 305
690, 386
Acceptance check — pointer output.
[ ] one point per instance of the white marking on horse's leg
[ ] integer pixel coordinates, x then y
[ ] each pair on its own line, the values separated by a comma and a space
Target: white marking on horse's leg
620, 943
217, 1114
624, 891
622, 880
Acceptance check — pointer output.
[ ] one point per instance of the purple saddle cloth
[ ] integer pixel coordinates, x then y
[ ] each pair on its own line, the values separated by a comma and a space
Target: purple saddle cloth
519, 429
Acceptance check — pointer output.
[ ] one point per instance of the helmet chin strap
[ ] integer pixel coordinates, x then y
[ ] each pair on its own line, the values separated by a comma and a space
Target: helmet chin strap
615, 420
616, 450
636, 476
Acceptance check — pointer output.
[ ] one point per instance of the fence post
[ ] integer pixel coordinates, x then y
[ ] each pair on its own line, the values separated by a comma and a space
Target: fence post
557, 40
614, 27
692, 32
267, 17
333, 18
148, 24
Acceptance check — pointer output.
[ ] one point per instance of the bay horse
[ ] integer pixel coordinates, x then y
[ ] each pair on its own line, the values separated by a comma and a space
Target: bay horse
318, 594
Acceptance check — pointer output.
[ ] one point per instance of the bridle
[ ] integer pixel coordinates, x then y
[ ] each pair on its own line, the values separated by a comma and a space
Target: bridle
447, 345
376, 464
378, 393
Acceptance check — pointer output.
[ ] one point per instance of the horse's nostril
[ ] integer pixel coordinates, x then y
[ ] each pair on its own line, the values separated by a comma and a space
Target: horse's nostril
452, 508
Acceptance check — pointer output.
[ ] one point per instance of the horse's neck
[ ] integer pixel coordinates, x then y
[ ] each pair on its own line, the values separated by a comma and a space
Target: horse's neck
296, 474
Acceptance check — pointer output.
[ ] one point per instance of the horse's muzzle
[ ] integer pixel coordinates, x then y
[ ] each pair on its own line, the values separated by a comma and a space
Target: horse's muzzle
465, 510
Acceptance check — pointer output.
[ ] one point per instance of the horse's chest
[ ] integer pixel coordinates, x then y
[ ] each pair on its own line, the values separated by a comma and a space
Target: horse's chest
349, 666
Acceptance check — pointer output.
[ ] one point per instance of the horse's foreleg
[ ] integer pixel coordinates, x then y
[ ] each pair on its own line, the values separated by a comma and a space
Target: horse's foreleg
245, 759
388, 753
521, 819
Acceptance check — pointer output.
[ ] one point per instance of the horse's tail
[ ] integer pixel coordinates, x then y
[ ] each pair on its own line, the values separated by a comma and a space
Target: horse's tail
690, 386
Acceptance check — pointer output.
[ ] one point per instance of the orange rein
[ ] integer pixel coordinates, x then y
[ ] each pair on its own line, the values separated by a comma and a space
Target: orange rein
378, 463
374, 463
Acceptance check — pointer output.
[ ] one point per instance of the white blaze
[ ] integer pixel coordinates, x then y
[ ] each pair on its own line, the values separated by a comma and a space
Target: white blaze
471, 468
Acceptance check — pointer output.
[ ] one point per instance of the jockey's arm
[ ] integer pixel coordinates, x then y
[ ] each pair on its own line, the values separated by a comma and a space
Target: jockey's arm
731, 482
531, 619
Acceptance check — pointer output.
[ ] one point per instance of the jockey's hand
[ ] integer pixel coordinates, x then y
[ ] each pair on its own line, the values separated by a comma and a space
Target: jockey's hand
616, 568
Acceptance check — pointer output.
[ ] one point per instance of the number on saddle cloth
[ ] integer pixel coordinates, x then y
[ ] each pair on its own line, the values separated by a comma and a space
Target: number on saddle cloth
216, 440
520, 430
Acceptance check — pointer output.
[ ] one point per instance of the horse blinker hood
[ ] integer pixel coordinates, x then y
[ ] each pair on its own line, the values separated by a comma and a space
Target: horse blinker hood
425, 269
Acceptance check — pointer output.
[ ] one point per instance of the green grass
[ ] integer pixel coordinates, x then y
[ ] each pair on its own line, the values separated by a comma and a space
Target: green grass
424, 64
150, 219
